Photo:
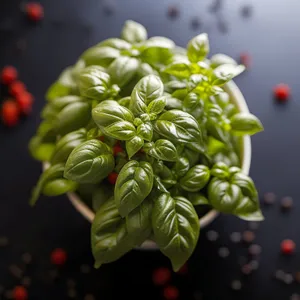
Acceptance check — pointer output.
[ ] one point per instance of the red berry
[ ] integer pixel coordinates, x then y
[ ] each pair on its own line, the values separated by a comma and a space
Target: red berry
10, 113
171, 293
183, 270
112, 177
282, 92
288, 247
161, 276
25, 101
35, 11
245, 59
20, 293
117, 149
17, 88
101, 138
9, 74
58, 257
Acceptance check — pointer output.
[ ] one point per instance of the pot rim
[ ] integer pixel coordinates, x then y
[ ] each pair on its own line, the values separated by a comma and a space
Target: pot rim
238, 99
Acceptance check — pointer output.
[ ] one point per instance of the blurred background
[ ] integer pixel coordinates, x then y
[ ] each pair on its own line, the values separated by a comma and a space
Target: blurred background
267, 34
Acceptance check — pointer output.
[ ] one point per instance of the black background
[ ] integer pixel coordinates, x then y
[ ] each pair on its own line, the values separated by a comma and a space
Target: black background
271, 35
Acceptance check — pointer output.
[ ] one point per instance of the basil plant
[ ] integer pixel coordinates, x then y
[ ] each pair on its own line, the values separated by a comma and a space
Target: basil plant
145, 134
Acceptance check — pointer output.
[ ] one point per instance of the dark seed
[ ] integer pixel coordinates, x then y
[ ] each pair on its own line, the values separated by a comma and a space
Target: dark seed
173, 11
286, 203
216, 6
195, 23
15, 271
223, 252
236, 237
246, 269
254, 250
222, 26
109, 7
26, 281
269, 198
236, 285
248, 236
89, 297
279, 274
71, 283
27, 258
212, 235
253, 225
288, 279
254, 264
247, 11
3, 241
85, 269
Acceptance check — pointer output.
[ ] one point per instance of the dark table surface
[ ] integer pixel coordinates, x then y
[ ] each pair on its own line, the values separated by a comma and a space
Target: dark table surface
270, 34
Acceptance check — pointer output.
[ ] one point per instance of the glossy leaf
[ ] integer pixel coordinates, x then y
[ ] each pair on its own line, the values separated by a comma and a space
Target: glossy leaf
226, 72
102, 56
125, 101
221, 59
198, 48
245, 123
182, 166
58, 187
90, 162
133, 185
134, 145
101, 195
40, 150
162, 149
245, 183
220, 170
198, 199
115, 43
178, 69
134, 32
156, 106
176, 228
145, 131
178, 126
158, 42
195, 179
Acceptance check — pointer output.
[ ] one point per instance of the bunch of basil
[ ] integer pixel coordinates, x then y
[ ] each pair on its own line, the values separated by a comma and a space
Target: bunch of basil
177, 134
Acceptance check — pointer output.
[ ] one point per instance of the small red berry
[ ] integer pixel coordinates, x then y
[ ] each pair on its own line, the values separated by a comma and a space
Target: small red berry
117, 149
102, 138
25, 101
9, 74
34, 11
282, 92
10, 113
58, 257
288, 247
161, 276
171, 293
20, 293
17, 88
245, 59
112, 177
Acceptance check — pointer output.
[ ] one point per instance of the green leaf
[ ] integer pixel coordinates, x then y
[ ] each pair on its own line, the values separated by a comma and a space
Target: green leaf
145, 70
220, 170
245, 183
125, 101
109, 237
145, 131
59, 103
146, 90
101, 195
173, 103
245, 123
156, 56
162, 149
178, 69
40, 150
174, 85
195, 179
138, 222
198, 48
90, 162
176, 228
134, 145
158, 42
221, 59
194, 105
198, 199
157, 106
66, 144
178, 126
225, 73
94, 83
115, 43
101, 56
192, 156
134, 32
114, 120
133, 185
123, 69
59, 187
181, 167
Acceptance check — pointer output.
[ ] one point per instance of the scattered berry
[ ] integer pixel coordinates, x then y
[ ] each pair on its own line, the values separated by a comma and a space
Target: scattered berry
246, 269
254, 264
34, 11
25, 101
246, 11
112, 177
286, 203
279, 274
288, 247
10, 113
248, 236
288, 279
212, 235
269, 198
236, 237
9, 74
161, 276
15, 271
171, 293
26, 281
245, 59
20, 293
254, 250
282, 92
27, 258
58, 257
16, 88
195, 23
253, 225
117, 149
223, 252
173, 11
295, 297
236, 285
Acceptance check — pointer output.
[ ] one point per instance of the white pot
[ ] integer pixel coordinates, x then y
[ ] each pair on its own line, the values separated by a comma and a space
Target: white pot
238, 99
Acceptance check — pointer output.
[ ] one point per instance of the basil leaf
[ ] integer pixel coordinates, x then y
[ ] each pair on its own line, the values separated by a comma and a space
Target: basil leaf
145, 131
93, 83
226, 72
125, 101
162, 149
194, 105
138, 222
89, 162
72, 117
176, 228
178, 126
134, 145
198, 199
146, 90
115, 43
178, 69
173, 103
249, 210
134, 32
59, 103
220, 170
245, 123
114, 120
102, 56
157, 106
160, 186
245, 183
158, 42
181, 167
195, 179
156, 56
40, 150
145, 70
221, 59
59, 187
192, 156
100, 196
66, 144
174, 85
198, 48
109, 236
123, 69
133, 185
